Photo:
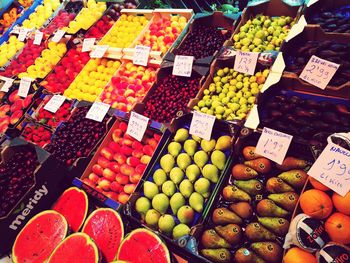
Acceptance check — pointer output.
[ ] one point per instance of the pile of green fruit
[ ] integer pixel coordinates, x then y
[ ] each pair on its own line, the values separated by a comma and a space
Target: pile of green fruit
263, 33
252, 215
182, 182
231, 95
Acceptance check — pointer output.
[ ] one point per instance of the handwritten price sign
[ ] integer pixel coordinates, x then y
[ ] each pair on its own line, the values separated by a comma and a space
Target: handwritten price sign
332, 168
141, 55
202, 125
38, 37
58, 36
22, 34
183, 66
245, 62
88, 43
54, 103
24, 87
319, 72
137, 126
273, 145
7, 84
99, 51
97, 111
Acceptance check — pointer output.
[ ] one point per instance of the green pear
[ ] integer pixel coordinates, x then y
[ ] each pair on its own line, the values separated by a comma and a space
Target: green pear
159, 177
183, 160
168, 188
142, 205
211, 239
202, 186
200, 158
196, 138
223, 143
152, 217
185, 214
186, 188
196, 201
166, 224
192, 172
208, 146
180, 230
181, 135
176, 175
211, 172
174, 148
218, 158
176, 201
167, 162
150, 189
160, 202
190, 146
219, 255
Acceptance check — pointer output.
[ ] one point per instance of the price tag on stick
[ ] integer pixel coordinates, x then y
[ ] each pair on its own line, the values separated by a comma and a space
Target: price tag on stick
273, 145
245, 62
97, 111
141, 55
319, 72
22, 34
137, 126
7, 84
58, 36
202, 125
183, 66
54, 103
99, 51
38, 37
332, 168
88, 43
24, 87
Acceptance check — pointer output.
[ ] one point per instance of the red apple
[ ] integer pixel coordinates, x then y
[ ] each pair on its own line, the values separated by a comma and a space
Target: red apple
103, 162
93, 178
133, 161
120, 158
114, 146
126, 169
122, 179
115, 167
123, 198
109, 174
107, 153
140, 168
129, 188
137, 154
135, 178
97, 169
116, 187
145, 159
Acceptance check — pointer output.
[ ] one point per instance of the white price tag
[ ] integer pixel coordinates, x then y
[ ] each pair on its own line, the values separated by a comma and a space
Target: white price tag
58, 36
273, 145
183, 66
88, 43
319, 72
202, 125
38, 37
245, 62
7, 84
15, 29
22, 34
332, 168
99, 51
296, 29
24, 87
141, 55
54, 103
97, 111
137, 126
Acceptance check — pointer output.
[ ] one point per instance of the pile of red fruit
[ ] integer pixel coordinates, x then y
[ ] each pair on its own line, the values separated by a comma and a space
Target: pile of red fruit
53, 119
27, 57
170, 96
36, 134
64, 74
100, 28
61, 20
121, 163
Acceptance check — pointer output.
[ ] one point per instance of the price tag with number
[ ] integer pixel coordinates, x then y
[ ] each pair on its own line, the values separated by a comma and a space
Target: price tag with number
99, 51
273, 145
245, 62
332, 168
97, 111
7, 84
22, 34
58, 35
183, 66
38, 37
54, 103
141, 55
24, 87
88, 43
319, 72
202, 125
137, 126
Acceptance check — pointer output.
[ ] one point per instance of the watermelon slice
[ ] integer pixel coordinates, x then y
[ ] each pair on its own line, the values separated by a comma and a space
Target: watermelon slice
105, 227
77, 248
73, 205
39, 237
143, 246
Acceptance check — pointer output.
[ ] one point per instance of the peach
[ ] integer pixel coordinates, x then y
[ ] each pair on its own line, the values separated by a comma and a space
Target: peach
145, 159
109, 174
133, 161
127, 142
148, 150
152, 142
123, 198
93, 177
116, 135
137, 154
137, 145
107, 153
116, 187
122, 179
123, 126
114, 167
125, 150
129, 188
135, 178
120, 158
114, 146
157, 137
97, 169
104, 184
126, 169
103, 162
140, 168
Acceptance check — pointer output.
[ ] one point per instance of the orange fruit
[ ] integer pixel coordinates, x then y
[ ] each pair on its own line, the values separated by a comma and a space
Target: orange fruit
338, 228
316, 203
342, 204
297, 255
317, 185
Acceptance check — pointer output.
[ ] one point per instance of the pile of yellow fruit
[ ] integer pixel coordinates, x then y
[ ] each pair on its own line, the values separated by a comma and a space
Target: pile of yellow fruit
9, 49
87, 16
124, 31
42, 13
46, 62
92, 79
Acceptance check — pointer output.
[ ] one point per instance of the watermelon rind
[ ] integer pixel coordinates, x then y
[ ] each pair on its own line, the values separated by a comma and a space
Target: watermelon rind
108, 253
134, 250
15, 254
64, 258
74, 216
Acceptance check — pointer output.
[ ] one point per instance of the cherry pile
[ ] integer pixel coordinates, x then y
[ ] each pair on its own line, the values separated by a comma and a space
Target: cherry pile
37, 135
53, 119
60, 21
100, 28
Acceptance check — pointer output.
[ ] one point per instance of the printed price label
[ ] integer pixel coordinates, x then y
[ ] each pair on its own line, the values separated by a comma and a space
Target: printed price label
141, 55
99, 51
58, 36
24, 87
38, 37
319, 72
245, 62
7, 84
22, 34
88, 43
273, 145
97, 111
137, 126
332, 168
183, 66
202, 125
54, 103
